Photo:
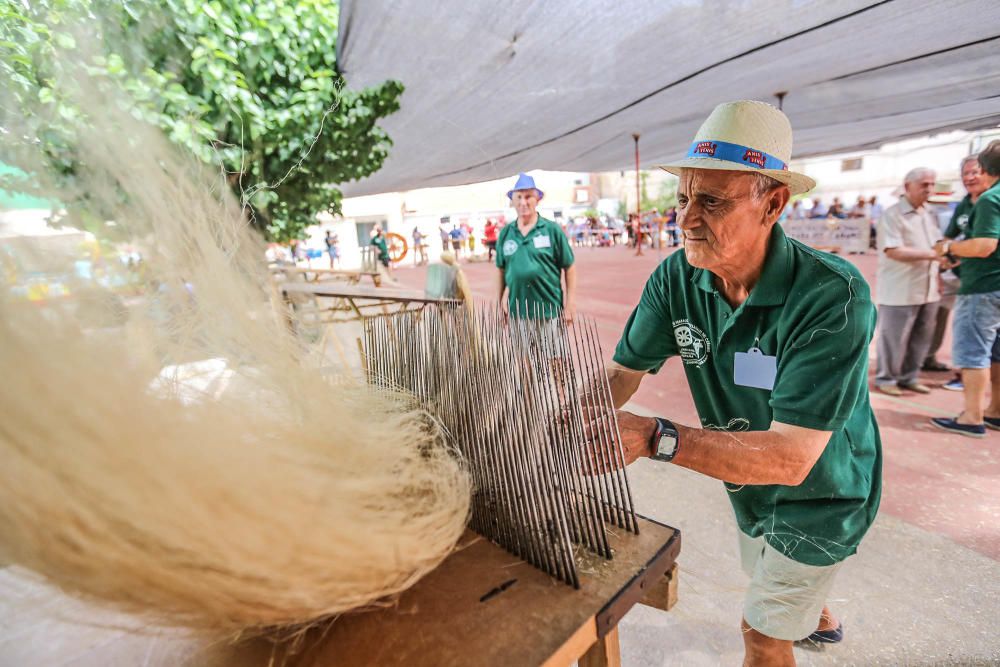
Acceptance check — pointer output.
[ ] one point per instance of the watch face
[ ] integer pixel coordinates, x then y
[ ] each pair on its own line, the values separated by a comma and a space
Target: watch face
667, 445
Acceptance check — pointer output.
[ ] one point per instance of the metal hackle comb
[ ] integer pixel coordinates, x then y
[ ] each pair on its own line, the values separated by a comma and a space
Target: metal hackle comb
513, 395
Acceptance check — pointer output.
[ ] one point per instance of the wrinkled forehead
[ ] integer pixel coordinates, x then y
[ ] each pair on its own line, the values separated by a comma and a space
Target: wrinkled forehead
528, 192
714, 181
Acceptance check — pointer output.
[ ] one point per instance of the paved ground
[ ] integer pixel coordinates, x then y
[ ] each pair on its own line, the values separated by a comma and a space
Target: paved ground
923, 589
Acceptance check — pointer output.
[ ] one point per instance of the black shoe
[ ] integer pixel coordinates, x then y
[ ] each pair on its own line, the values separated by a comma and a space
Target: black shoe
934, 366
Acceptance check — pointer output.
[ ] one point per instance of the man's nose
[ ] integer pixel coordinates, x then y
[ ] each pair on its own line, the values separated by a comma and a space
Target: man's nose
688, 220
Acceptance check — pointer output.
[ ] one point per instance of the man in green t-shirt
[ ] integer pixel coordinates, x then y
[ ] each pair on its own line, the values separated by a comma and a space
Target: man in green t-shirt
773, 337
378, 240
957, 229
532, 255
975, 342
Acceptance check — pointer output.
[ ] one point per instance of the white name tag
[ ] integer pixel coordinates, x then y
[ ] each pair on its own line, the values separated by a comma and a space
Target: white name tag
543, 242
755, 369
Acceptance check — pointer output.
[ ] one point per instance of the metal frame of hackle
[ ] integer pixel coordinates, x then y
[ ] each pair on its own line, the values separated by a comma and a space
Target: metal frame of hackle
527, 403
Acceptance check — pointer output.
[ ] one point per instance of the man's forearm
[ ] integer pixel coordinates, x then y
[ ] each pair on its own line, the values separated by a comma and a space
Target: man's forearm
972, 247
571, 284
903, 254
501, 287
624, 382
745, 457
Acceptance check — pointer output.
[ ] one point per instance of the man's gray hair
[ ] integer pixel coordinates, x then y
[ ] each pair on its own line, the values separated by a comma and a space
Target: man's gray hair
966, 160
918, 173
763, 184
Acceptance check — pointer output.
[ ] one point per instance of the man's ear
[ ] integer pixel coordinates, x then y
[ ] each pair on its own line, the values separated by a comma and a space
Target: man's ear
775, 202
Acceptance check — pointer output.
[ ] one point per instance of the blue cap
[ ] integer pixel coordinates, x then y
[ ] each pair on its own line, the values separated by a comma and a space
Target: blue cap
524, 182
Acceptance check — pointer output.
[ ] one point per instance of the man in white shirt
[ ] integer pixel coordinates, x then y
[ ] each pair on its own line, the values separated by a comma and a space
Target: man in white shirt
906, 285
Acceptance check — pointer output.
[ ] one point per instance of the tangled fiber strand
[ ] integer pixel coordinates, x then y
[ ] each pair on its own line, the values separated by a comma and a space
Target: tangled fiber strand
277, 498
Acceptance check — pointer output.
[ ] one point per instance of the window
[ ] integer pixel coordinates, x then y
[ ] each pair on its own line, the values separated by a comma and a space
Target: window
366, 227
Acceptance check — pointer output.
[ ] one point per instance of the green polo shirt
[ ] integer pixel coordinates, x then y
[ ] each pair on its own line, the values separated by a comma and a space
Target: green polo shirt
814, 312
383, 249
982, 274
958, 226
532, 267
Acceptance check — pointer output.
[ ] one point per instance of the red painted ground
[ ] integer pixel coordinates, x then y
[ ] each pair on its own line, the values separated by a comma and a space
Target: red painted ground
938, 481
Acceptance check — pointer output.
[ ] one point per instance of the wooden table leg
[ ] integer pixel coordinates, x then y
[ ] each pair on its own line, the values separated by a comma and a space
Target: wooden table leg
663, 593
604, 653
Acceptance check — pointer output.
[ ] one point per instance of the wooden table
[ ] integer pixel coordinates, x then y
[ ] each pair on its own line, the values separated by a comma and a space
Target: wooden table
485, 607
349, 303
319, 275
481, 606
358, 301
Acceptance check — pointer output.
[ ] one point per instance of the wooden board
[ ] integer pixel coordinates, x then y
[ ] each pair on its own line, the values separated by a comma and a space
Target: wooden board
459, 614
468, 611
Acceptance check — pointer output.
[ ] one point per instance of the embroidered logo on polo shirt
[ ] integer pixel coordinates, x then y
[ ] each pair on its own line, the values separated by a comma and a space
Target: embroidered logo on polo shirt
962, 222
693, 343
509, 247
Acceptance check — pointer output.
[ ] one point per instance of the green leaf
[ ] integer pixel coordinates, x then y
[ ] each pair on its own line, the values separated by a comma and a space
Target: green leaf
219, 53
212, 10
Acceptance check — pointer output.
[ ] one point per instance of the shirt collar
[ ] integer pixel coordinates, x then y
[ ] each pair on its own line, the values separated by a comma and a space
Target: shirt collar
772, 287
539, 224
906, 207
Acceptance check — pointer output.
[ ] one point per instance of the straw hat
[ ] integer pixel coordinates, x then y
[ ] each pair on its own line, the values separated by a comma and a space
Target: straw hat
745, 136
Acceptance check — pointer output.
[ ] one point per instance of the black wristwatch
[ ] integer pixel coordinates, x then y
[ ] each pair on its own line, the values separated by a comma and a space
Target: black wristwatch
665, 441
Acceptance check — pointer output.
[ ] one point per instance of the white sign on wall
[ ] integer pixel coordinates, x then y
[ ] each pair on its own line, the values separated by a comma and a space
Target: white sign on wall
848, 235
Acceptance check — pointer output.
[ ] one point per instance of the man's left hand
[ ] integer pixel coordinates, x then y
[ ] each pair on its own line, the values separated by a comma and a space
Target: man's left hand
637, 433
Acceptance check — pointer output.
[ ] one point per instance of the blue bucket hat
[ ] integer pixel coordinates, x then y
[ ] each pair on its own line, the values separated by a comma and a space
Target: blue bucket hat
524, 182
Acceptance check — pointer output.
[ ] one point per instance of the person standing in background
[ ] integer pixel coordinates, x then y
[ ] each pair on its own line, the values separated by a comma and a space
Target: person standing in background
975, 343
332, 248
533, 256
490, 236
906, 285
957, 230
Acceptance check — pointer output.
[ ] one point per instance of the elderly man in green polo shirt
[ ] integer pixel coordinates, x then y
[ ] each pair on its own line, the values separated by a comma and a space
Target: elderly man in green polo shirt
976, 329
773, 337
532, 255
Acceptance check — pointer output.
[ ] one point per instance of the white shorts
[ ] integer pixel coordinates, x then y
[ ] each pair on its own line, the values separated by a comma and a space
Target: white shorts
548, 336
786, 597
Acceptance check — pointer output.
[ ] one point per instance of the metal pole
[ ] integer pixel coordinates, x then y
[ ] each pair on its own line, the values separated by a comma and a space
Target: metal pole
638, 200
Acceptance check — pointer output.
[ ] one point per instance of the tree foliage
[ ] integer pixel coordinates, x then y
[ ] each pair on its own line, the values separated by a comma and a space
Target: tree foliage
252, 86
665, 198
